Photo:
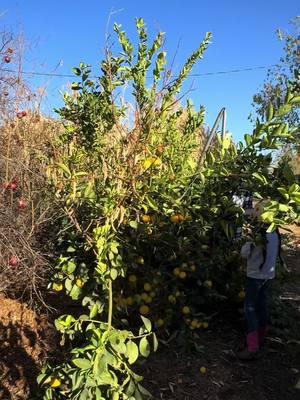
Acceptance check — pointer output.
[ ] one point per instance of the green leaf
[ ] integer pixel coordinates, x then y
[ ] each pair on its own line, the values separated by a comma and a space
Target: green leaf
133, 224
152, 203
82, 363
248, 139
267, 216
283, 208
271, 228
295, 100
113, 273
144, 347
132, 352
64, 168
145, 393
260, 177
270, 112
94, 311
147, 323
155, 342
76, 71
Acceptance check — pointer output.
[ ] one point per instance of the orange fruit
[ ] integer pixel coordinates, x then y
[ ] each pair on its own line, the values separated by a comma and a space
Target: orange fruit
174, 219
144, 310
146, 219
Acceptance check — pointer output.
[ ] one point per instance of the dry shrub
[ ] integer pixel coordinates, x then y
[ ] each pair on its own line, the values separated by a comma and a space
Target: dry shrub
25, 205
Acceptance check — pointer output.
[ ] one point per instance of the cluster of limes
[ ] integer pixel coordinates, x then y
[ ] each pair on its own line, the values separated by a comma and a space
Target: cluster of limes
196, 324
58, 286
182, 271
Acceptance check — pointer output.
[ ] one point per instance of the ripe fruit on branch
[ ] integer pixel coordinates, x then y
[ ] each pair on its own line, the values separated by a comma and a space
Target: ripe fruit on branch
144, 310
79, 283
21, 114
140, 260
13, 185
22, 204
9, 50
146, 219
7, 59
186, 310
182, 275
13, 261
57, 286
174, 219
55, 383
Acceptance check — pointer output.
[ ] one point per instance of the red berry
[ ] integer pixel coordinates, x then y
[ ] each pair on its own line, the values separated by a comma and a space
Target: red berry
22, 204
24, 113
5, 94
7, 59
13, 185
13, 261
20, 114
9, 50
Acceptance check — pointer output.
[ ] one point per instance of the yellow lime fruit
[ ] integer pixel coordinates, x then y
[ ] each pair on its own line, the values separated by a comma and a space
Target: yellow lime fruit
144, 296
186, 310
193, 268
199, 324
242, 294
205, 325
177, 294
132, 279
194, 323
146, 218
184, 265
147, 287
58, 287
172, 299
176, 271
182, 275
181, 218
174, 219
55, 383
79, 283
160, 322
144, 310
152, 294
202, 370
208, 284
140, 260
129, 301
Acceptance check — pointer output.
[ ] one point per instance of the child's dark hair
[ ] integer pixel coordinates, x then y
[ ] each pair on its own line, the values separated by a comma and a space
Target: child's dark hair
265, 248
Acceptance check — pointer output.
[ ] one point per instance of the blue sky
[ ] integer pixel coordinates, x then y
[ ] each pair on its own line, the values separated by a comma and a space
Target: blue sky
243, 36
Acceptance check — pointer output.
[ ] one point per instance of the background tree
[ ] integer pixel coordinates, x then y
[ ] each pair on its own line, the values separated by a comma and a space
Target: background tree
286, 72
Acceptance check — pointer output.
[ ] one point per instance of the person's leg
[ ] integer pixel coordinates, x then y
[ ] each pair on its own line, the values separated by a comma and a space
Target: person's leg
262, 311
252, 291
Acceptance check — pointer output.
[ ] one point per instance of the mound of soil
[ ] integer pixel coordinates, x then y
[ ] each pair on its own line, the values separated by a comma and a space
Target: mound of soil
25, 341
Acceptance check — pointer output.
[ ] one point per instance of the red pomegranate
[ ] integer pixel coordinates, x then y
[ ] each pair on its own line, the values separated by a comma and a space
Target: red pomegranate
22, 204
13, 261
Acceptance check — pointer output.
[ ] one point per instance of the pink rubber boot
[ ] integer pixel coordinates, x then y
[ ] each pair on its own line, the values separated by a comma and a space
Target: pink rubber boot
251, 351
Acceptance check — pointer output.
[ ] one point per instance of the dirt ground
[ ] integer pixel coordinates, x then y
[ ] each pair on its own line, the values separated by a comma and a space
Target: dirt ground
27, 339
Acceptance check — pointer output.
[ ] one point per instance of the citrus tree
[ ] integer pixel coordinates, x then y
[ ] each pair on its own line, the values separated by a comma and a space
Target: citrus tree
147, 227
